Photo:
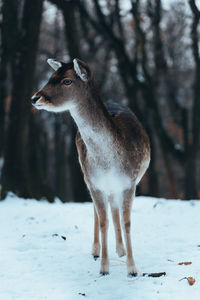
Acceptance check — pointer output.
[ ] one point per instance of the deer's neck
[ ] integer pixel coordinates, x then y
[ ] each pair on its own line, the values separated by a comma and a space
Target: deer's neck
94, 122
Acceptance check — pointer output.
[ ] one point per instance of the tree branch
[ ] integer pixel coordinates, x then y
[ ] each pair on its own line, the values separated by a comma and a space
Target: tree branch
148, 91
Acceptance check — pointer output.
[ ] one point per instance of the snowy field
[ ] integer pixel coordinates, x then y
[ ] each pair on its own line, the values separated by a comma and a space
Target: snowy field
45, 252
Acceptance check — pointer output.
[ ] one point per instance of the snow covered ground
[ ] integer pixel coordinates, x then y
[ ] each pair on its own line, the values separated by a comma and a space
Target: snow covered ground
45, 252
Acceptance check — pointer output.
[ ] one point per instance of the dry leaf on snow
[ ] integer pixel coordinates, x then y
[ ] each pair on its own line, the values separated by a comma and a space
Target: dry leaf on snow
185, 263
191, 280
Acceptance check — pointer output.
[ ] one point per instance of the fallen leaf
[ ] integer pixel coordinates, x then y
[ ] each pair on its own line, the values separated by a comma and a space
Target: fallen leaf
185, 263
191, 280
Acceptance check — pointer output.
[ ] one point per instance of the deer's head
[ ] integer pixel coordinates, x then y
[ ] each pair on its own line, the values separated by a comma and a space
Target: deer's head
65, 87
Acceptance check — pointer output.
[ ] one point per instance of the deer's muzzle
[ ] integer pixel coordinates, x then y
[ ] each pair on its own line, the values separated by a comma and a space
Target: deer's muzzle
34, 99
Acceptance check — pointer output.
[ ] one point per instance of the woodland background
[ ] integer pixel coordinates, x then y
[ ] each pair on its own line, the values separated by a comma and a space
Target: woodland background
145, 54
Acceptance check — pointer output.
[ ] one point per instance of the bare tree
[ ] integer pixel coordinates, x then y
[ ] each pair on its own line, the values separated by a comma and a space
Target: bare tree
15, 175
8, 33
155, 75
192, 140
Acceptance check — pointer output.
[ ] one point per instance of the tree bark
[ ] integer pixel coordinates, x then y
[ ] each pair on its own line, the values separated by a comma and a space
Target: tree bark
128, 69
60, 162
192, 146
8, 44
15, 170
37, 153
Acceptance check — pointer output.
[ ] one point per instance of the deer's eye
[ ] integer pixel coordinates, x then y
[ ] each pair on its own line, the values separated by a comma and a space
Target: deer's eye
67, 82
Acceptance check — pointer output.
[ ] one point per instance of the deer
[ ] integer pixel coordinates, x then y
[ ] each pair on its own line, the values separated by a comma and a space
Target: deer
113, 151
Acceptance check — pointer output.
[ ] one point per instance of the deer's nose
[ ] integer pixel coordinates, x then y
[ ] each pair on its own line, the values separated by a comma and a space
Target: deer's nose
34, 99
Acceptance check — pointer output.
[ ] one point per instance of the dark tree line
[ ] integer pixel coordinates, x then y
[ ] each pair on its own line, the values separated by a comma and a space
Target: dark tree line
142, 53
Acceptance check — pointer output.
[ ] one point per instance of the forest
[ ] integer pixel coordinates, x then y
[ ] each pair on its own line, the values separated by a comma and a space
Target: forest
144, 54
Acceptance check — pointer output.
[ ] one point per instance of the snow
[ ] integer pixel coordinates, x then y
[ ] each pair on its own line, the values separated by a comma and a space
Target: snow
37, 263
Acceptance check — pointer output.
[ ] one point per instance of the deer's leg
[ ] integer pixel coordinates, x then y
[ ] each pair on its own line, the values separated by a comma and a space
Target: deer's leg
126, 214
96, 244
101, 209
116, 220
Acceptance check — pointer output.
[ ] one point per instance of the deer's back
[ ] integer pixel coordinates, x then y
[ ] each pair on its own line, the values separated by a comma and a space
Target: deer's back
130, 132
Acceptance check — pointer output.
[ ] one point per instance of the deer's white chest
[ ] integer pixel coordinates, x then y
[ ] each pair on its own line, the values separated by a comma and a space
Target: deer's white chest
110, 181
105, 172
103, 162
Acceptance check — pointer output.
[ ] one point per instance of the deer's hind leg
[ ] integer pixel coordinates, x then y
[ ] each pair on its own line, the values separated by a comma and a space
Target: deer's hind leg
128, 196
101, 209
96, 244
116, 220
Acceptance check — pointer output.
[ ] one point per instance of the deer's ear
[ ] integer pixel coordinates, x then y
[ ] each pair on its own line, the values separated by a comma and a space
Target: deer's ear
54, 64
81, 69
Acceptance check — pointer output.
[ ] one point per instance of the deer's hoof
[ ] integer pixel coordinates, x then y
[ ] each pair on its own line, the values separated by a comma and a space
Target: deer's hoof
104, 273
104, 268
132, 275
96, 257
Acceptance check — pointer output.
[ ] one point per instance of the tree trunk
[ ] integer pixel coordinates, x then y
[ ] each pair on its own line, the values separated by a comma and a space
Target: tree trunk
37, 157
192, 146
15, 170
8, 44
190, 175
60, 162
3, 93
79, 189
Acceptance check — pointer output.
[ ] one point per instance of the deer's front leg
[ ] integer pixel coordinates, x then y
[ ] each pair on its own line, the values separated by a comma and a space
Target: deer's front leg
101, 209
96, 244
